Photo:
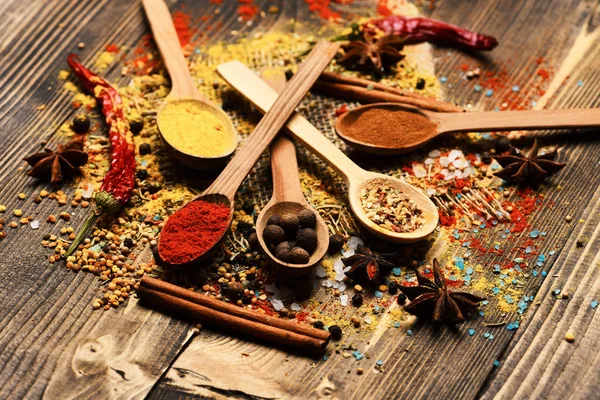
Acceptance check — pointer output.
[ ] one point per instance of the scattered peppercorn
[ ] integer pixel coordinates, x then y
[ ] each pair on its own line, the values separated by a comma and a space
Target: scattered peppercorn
503, 144
336, 332
420, 84
288, 74
81, 123
142, 174
284, 255
245, 228
273, 220
318, 324
486, 157
307, 219
357, 300
253, 241
145, 149
235, 290
289, 222
393, 287
136, 124
401, 299
336, 242
273, 235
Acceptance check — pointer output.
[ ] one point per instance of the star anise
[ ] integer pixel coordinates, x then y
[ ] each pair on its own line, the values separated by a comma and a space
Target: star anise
377, 53
529, 168
58, 164
366, 264
434, 297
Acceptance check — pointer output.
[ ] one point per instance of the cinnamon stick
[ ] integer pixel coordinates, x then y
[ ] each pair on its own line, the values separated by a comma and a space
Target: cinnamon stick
216, 312
362, 94
351, 80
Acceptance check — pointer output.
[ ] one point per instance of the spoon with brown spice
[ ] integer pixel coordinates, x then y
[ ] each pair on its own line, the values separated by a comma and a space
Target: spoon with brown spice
198, 133
365, 189
390, 128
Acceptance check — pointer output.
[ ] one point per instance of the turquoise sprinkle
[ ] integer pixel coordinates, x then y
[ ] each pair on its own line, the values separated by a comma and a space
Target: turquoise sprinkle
477, 88
486, 335
357, 354
496, 363
489, 93
534, 273
516, 88
580, 83
594, 304
508, 299
396, 324
409, 332
443, 79
378, 294
544, 274
471, 332
495, 290
396, 271
534, 233
533, 103
379, 363
469, 271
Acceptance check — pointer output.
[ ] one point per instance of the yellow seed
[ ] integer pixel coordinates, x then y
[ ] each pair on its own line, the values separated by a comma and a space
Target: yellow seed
2, 208
18, 213
570, 337
358, 288
44, 193
360, 371
22, 196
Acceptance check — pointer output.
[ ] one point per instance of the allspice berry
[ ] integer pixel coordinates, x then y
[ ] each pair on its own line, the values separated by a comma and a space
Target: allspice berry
336, 332
273, 220
299, 255
357, 300
253, 241
235, 290
282, 246
336, 242
81, 123
284, 255
307, 239
289, 223
273, 235
307, 219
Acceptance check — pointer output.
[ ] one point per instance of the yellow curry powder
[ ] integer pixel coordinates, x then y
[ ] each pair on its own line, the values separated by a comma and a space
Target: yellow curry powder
194, 128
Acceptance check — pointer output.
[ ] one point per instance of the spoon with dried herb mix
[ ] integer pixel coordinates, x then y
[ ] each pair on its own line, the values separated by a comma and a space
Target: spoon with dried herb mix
386, 206
390, 128
198, 133
195, 230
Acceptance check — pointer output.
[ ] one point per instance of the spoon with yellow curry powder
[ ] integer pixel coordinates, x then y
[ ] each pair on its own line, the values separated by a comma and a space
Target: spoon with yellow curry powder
195, 224
198, 133
391, 128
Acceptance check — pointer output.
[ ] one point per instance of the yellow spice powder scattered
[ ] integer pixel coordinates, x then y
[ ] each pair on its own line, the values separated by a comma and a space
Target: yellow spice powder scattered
194, 128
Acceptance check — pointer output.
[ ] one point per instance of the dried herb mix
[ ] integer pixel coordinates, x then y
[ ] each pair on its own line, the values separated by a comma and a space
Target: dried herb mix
391, 209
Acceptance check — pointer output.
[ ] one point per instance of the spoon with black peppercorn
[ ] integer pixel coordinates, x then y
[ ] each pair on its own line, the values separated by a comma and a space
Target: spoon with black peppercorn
409, 127
288, 217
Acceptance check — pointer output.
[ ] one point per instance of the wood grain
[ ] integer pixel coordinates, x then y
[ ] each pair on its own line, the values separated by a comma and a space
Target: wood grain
47, 325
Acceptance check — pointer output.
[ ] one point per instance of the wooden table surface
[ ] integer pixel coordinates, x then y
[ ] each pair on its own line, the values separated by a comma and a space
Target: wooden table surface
53, 344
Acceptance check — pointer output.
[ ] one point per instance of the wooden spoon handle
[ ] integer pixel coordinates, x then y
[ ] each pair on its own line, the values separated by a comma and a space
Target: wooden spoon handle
518, 120
241, 164
284, 167
167, 41
251, 86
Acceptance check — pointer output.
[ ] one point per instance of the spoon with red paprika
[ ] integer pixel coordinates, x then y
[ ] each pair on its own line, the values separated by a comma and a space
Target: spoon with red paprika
193, 232
390, 128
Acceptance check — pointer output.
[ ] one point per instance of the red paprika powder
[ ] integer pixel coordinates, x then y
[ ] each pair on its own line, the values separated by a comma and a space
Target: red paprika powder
192, 231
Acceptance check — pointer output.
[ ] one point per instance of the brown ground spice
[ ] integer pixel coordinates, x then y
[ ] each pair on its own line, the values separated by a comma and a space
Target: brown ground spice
389, 129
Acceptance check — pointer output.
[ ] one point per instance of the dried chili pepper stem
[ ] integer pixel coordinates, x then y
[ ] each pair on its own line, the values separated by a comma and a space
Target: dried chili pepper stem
118, 182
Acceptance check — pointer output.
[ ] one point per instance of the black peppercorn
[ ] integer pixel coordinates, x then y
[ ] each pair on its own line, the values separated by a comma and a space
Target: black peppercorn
273, 235
154, 188
136, 124
307, 239
248, 207
288, 74
128, 242
289, 223
336, 242
420, 84
299, 255
284, 255
245, 228
486, 158
282, 246
357, 300
393, 287
274, 220
235, 290
246, 299
502, 144
81, 123
318, 324
142, 174
307, 219
145, 149
401, 299
336, 332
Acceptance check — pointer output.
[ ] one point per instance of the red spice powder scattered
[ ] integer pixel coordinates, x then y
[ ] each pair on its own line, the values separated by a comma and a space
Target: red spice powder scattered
112, 48
446, 220
192, 231
321, 8
181, 21
217, 2
247, 9
383, 9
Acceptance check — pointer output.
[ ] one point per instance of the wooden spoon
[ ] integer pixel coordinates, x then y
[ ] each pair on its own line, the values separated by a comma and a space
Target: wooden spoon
227, 183
263, 96
184, 92
487, 121
288, 198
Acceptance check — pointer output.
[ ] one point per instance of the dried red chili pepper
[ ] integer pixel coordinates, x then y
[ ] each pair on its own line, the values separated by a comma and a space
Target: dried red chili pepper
118, 182
420, 29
